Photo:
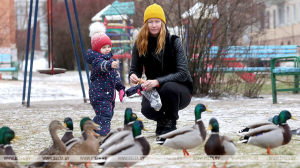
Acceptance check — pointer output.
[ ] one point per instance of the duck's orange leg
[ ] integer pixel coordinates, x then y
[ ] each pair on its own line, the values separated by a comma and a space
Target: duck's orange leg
214, 166
127, 166
68, 165
269, 151
225, 164
187, 153
184, 152
88, 164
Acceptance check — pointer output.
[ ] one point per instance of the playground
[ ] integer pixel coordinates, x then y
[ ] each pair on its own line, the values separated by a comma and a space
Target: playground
60, 96
42, 94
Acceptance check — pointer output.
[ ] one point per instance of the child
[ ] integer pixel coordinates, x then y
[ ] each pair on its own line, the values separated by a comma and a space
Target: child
104, 77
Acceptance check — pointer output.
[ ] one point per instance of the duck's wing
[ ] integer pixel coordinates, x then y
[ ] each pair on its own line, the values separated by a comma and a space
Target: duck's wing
10, 164
39, 163
110, 134
177, 132
229, 146
73, 142
116, 148
255, 125
259, 124
116, 138
261, 130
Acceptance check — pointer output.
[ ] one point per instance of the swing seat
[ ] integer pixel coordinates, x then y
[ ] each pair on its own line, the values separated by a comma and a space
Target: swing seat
49, 71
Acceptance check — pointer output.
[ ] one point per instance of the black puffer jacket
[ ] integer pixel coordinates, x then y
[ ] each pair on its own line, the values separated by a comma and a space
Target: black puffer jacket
170, 65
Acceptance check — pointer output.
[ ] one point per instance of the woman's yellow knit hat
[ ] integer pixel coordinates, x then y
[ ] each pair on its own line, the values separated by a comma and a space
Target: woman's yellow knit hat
154, 11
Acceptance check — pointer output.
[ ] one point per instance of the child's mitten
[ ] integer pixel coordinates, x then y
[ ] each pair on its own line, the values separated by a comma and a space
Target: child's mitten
121, 95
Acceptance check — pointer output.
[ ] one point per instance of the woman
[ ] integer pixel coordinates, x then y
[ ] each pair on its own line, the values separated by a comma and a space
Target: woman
165, 63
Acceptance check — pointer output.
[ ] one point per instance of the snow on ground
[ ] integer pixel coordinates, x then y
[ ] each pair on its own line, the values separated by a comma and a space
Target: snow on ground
67, 86
59, 96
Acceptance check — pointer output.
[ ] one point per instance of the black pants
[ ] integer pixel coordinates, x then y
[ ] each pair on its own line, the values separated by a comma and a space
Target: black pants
174, 97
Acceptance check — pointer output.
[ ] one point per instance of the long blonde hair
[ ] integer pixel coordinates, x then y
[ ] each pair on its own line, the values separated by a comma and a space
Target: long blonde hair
142, 39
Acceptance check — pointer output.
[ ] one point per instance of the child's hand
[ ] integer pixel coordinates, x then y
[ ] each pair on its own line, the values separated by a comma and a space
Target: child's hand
121, 95
114, 64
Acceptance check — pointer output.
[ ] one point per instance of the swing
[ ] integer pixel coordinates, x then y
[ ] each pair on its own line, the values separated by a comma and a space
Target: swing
52, 70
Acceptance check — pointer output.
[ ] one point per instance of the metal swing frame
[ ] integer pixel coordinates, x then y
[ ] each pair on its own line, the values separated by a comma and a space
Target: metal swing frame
51, 71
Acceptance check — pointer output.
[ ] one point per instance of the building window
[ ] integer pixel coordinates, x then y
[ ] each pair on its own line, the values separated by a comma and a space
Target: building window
287, 15
274, 18
281, 15
294, 14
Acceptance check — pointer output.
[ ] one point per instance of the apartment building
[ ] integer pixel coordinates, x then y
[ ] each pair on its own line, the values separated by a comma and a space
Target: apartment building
282, 24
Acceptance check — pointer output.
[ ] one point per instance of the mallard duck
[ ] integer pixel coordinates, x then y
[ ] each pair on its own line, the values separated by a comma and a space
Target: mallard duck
2, 130
75, 140
270, 136
139, 147
57, 148
129, 118
90, 146
6, 136
218, 146
187, 137
272, 121
69, 133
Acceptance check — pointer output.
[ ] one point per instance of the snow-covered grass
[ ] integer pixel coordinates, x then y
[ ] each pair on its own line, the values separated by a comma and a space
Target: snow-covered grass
60, 96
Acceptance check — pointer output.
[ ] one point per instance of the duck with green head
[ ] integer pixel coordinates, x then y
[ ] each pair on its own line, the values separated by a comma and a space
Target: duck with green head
218, 146
187, 137
120, 134
139, 146
270, 136
6, 136
68, 123
83, 120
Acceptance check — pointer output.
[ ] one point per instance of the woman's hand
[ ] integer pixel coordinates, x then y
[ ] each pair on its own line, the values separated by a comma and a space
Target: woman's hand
133, 78
149, 84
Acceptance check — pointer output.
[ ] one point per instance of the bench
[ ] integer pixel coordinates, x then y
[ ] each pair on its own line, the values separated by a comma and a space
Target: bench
7, 65
235, 56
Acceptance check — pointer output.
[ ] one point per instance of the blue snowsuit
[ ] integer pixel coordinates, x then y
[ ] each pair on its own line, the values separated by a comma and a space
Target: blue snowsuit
104, 82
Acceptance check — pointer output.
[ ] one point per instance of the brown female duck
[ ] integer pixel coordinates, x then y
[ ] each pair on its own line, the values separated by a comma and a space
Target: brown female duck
57, 148
90, 146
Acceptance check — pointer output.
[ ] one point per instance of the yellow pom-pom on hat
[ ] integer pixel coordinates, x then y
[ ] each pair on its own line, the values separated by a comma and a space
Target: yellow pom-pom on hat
154, 11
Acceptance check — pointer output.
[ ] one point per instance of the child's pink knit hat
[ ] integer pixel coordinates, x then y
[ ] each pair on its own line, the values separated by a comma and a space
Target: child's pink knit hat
98, 36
